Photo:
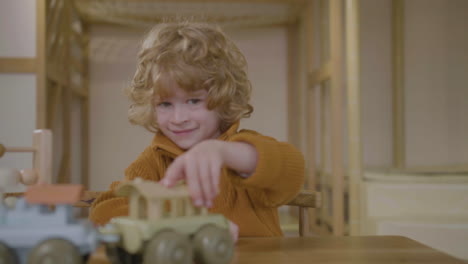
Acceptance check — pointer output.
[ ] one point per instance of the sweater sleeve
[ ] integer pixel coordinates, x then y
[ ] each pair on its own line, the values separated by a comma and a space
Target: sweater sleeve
107, 205
279, 174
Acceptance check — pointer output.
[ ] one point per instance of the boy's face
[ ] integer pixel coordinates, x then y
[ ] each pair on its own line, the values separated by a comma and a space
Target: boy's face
184, 118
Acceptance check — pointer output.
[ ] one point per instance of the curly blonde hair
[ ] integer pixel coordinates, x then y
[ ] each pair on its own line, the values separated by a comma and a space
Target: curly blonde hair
195, 56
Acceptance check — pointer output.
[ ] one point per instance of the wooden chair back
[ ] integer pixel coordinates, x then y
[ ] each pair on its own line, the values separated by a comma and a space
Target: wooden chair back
306, 200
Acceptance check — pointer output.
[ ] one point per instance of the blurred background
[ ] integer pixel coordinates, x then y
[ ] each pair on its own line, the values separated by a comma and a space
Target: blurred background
373, 92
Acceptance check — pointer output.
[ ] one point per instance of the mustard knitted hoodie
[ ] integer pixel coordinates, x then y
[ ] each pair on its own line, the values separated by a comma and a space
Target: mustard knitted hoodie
251, 203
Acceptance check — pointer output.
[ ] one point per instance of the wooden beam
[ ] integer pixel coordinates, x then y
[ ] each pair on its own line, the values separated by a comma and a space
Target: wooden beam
17, 65
211, 1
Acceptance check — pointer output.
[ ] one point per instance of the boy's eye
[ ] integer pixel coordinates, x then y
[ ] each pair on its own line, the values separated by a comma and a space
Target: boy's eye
164, 104
194, 101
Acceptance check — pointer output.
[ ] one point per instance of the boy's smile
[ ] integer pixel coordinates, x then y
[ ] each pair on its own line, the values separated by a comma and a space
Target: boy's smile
184, 118
183, 132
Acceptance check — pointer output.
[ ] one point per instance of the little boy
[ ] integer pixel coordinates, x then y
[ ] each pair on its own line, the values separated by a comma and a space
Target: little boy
191, 89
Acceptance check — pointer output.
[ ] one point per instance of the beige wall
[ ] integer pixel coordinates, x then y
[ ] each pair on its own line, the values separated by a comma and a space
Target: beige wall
115, 143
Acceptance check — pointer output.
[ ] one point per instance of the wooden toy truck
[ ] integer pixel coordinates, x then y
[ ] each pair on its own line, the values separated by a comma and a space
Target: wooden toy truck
163, 227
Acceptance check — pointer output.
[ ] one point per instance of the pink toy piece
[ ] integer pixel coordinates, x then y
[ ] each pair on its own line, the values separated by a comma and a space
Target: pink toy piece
49, 194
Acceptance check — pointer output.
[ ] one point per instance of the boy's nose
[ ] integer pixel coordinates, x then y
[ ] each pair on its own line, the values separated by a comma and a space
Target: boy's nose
180, 115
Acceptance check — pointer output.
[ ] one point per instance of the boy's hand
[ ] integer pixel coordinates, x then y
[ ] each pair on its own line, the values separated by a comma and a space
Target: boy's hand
201, 168
234, 231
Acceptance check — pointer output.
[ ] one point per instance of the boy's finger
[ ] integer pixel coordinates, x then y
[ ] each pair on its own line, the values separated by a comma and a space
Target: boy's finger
213, 178
234, 230
174, 173
206, 182
193, 182
215, 172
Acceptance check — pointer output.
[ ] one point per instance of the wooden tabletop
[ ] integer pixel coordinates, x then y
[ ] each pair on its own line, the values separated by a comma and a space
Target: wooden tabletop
330, 250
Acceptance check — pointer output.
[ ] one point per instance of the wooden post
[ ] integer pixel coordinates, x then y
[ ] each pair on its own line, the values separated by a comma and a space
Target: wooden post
41, 78
311, 91
322, 81
294, 135
324, 154
398, 84
85, 110
65, 166
133, 207
336, 97
42, 157
188, 206
18, 65
353, 74
153, 208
